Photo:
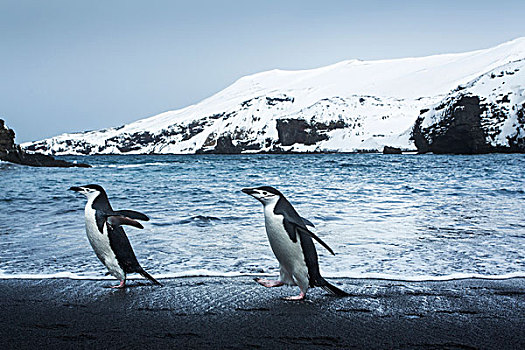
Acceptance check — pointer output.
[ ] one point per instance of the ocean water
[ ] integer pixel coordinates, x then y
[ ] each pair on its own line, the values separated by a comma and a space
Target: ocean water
408, 217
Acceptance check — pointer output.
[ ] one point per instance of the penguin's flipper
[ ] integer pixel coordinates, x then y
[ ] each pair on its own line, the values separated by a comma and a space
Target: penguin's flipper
119, 220
307, 222
314, 236
293, 229
131, 214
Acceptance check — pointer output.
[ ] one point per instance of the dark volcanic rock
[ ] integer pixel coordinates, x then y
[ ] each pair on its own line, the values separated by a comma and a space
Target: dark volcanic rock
226, 146
462, 130
7, 139
458, 132
223, 145
10, 152
391, 150
291, 131
18, 156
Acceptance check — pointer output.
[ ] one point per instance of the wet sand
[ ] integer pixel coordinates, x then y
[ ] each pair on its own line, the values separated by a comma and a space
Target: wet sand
237, 313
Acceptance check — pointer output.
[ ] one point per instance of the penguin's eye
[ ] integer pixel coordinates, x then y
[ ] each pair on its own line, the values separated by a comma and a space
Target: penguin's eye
265, 193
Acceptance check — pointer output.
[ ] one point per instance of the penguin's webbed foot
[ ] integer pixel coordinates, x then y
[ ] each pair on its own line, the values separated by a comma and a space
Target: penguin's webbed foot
122, 285
299, 297
268, 283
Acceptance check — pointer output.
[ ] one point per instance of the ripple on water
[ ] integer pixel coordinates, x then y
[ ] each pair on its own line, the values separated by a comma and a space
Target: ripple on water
199, 220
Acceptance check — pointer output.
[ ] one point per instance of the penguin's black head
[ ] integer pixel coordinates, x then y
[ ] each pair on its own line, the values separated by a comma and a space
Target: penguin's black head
88, 190
264, 194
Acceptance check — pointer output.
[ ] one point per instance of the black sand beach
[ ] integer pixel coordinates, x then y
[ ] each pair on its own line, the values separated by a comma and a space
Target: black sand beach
237, 313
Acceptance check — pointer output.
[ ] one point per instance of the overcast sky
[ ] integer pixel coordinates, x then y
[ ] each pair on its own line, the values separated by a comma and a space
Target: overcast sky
70, 65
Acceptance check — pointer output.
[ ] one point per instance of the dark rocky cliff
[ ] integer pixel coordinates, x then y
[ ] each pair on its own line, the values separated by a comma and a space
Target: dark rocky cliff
11, 152
292, 131
466, 126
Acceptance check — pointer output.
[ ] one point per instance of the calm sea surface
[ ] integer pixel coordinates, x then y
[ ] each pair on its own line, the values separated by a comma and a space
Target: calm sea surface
398, 216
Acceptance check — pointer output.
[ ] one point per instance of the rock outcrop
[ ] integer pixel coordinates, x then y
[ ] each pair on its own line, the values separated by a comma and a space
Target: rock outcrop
11, 152
463, 129
391, 150
292, 131
459, 131
485, 116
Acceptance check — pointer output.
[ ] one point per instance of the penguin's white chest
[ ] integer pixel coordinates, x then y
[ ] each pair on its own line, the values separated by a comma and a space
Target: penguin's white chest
288, 253
100, 244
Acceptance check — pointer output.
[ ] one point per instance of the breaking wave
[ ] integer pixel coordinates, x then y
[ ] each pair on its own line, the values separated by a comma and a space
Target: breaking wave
208, 273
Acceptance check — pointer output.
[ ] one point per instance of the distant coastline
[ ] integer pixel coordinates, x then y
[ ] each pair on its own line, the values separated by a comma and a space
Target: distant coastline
13, 153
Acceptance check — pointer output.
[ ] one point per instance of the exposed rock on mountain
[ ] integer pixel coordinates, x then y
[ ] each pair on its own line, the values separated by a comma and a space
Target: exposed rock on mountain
391, 150
7, 139
292, 131
486, 115
10, 152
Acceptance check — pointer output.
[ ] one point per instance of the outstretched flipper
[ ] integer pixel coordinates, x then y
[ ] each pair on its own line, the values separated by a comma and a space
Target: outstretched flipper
118, 220
120, 217
131, 214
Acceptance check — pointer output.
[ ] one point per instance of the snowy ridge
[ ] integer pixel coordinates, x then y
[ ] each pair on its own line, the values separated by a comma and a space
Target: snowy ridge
345, 107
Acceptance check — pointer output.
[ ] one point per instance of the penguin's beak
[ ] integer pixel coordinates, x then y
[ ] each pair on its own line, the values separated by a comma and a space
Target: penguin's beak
76, 189
249, 191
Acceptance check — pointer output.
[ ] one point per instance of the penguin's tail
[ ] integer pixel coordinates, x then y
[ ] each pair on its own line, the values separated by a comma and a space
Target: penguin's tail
150, 277
330, 288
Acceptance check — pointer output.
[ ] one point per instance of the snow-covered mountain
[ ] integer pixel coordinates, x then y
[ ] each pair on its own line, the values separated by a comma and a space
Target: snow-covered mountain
345, 107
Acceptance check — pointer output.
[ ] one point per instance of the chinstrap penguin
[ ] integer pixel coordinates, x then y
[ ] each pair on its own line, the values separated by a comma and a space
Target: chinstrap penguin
107, 237
291, 242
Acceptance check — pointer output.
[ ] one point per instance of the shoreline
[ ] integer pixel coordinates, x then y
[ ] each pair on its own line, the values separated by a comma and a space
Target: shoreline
235, 312
209, 274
